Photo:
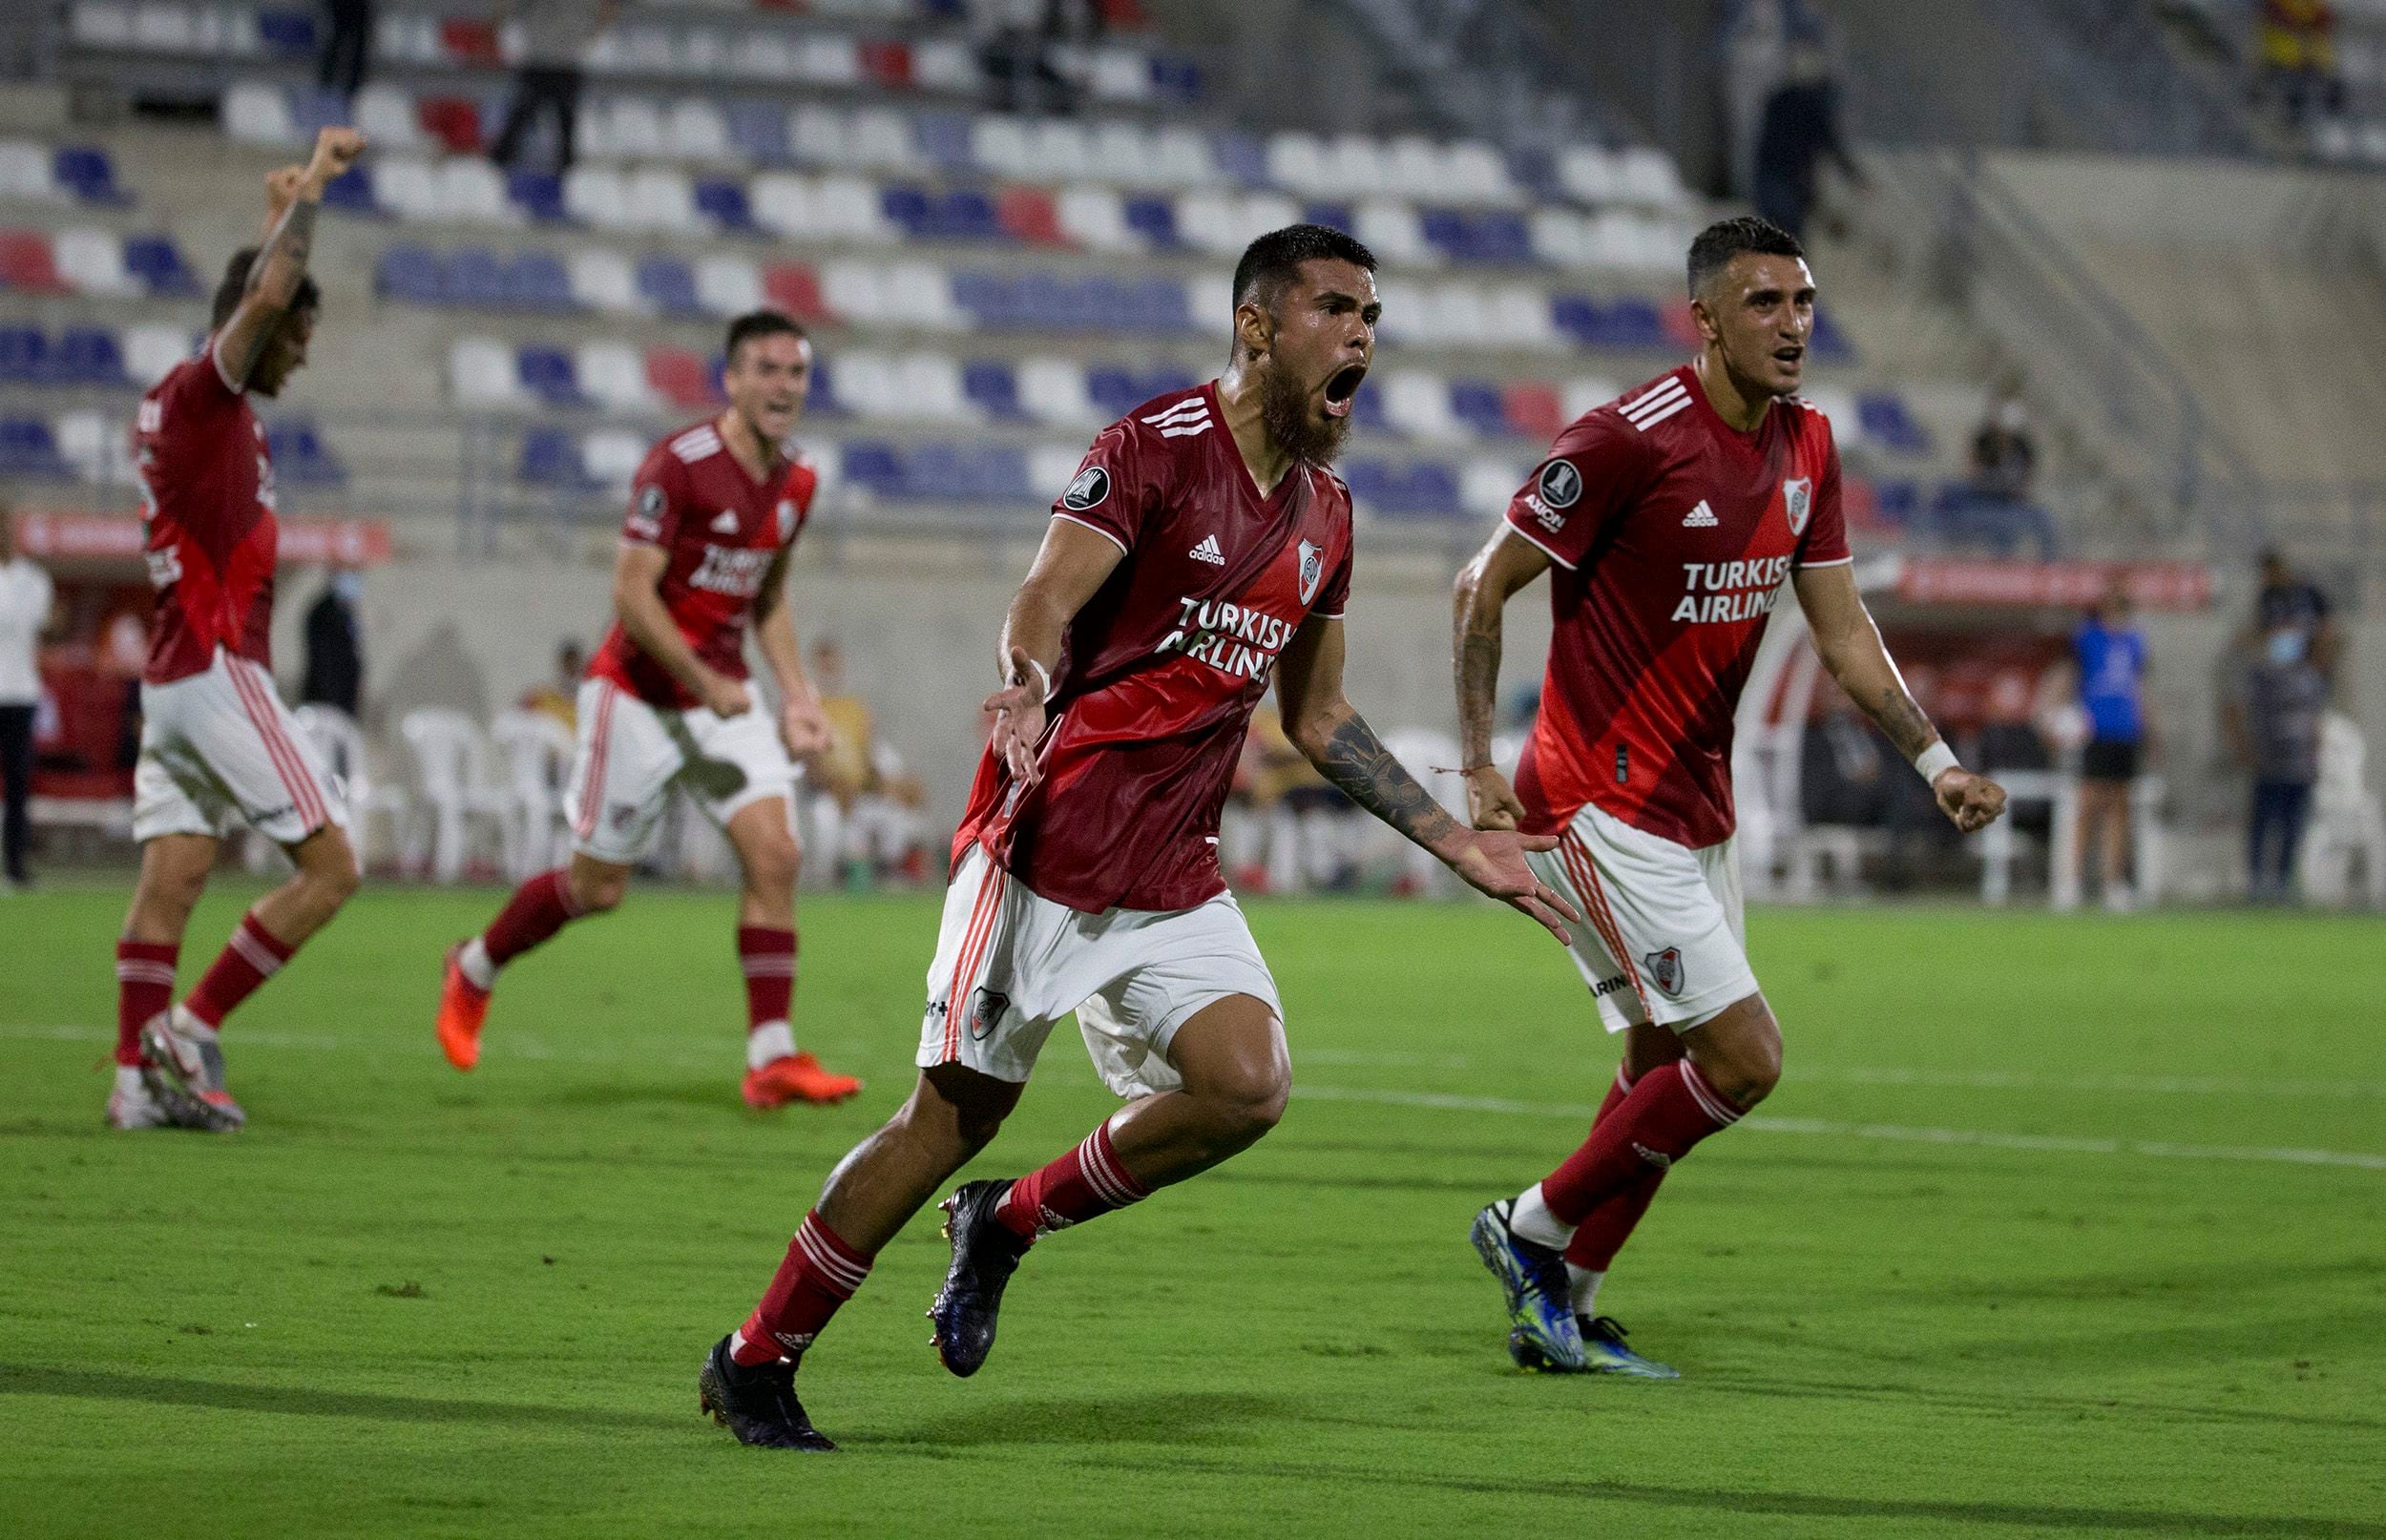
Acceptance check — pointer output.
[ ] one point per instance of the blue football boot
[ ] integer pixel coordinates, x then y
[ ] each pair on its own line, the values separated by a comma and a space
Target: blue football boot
1534, 1276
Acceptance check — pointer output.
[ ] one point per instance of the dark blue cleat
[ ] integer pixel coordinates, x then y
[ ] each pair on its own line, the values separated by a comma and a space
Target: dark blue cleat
1533, 1276
985, 1254
758, 1404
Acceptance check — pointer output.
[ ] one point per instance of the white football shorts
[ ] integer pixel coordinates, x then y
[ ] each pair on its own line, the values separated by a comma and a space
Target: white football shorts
1665, 931
220, 749
629, 755
1011, 964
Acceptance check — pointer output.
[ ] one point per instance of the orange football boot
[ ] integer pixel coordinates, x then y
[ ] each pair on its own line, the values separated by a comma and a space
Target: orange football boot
796, 1077
463, 1006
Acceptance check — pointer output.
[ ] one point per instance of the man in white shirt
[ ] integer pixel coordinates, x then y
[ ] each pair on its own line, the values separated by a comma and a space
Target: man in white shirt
25, 599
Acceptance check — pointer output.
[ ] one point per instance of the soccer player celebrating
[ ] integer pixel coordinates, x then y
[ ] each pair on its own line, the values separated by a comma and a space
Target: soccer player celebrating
1201, 547
1672, 516
712, 517
218, 747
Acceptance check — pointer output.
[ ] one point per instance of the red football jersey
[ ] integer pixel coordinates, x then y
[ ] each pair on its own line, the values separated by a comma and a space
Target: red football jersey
1671, 532
1161, 671
207, 498
723, 530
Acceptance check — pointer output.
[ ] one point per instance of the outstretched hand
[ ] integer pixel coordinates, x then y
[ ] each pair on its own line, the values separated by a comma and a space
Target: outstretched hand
1973, 802
1018, 709
1492, 861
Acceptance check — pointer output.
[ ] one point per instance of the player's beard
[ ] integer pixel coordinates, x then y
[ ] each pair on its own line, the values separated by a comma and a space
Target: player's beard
1286, 410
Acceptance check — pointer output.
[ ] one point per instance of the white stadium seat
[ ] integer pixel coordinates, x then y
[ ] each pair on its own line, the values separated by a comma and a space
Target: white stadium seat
920, 295
1297, 160
1210, 296
1183, 160
612, 455
25, 172
829, 61
998, 144
944, 64
1414, 169
847, 208
1120, 74
95, 445
407, 187
662, 199
1095, 219
1486, 487
631, 130
92, 261
481, 372
1647, 175
614, 374
597, 196
258, 114
1052, 390
782, 203
1587, 393
164, 29
150, 351
695, 130
1561, 238
1356, 163
1476, 171
823, 135
96, 24
1128, 153
1518, 316
882, 140
762, 55
1590, 174
1051, 467
1418, 404
472, 191
1393, 233
727, 284
385, 116
601, 278
1059, 150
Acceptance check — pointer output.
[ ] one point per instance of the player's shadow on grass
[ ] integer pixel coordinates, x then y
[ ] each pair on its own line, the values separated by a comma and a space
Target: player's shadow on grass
220, 1395
712, 1094
1193, 1417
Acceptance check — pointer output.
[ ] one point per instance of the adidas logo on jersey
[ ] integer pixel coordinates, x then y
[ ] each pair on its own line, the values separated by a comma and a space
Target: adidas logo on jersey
1188, 419
1701, 517
725, 522
1207, 550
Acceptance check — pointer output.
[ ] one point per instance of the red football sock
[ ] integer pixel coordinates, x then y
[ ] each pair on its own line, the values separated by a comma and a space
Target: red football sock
821, 1273
1086, 1181
1603, 1230
1669, 1110
252, 956
767, 954
538, 909
144, 987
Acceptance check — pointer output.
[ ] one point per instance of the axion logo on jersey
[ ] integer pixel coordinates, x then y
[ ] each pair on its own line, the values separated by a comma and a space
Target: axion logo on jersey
735, 571
1207, 550
1797, 500
1664, 969
1313, 570
1232, 638
1091, 487
1701, 517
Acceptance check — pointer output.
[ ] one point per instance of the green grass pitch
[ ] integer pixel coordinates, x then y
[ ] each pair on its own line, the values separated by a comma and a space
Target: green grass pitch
2055, 1227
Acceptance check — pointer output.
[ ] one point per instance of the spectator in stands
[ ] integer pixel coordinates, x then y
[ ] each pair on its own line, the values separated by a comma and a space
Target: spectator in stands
2004, 453
559, 698
2299, 57
348, 42
2110, 654
1800, 128
335, 645
1015, 50
27, 605
2272, 723
1839, 769
2287, 601
555, 39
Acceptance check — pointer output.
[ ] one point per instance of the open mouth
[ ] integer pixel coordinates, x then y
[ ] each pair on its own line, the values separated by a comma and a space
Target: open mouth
1343, 389
1790, 357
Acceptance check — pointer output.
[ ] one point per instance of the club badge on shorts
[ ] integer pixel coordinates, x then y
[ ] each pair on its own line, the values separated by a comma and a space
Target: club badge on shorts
1797, 500
986, 1008
1313, 570
1664, 969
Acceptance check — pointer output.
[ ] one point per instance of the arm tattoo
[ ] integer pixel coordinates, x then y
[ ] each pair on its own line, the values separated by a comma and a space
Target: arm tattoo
1479, 683
1903, 720
293, 241
1355, 760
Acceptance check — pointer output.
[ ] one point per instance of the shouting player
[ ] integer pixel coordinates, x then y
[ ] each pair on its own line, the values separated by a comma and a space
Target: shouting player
216, 745
712, 517
1672, 517
1201, 547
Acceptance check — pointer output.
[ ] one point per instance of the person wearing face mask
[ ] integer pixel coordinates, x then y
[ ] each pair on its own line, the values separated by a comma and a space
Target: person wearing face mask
2272, 723
335, 649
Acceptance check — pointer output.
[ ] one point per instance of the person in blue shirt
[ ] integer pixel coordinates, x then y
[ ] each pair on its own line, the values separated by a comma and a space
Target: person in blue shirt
2110, 653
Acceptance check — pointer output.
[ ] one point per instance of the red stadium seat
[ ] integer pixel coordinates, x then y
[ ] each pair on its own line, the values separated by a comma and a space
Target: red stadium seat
890, 63
1534, 409
795, 288
679, 376
470, 39
1030, 215
26, 263
1124, 16
455, 121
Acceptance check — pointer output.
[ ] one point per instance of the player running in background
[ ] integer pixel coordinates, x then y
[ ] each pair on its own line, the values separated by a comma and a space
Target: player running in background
1672, 516
218, 747
714, 513
1201, 547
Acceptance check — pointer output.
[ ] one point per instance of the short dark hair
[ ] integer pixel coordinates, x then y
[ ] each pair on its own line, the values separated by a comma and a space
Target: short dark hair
1274, 260
756, 325
1744, 235
234, 288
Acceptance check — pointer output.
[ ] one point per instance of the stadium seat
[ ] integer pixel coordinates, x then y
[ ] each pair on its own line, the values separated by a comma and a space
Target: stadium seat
942, 140
471, 191
537, 281
759, 130
92, 261
667, 286
157, 263
1886, 422
25, 172
611, 456
95, 446
1418, 404
549, 375
551, 457
151, 351
724, 202
728, 285
352, 192
1030, 215
994, 387
1487, 487
407, 187
412, 275
28, 448
1478, 404
662, 200
26, 263
24, 356
679, 378
89, 173
87, 356
696, 130
1155, 220
597, 196
1392, 231
613, 375
603, 279
290, 32
299, 456
391, 120
795, 288
539, 195
1533, 409
475, 279
254, 113
1096, 219
481, 372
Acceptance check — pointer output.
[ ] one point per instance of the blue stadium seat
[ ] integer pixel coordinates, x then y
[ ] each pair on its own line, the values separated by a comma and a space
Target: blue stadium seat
1167, 380
548, 374
1897, 501
551, 457
874, 466
299, 456
1113, 389
1158, 304
476, 278
1367, 411
822, 400
312, 110
759, 128
1367, 480
669, 285
965, 213
723, 201
1445, 228
1154, 218
1477, 404
412, 274
539, 195
1175, 79
24, 356
1433, 490
88, 173
157, 263
943, 139
995, 386
1332, 216
985, 297
1829, 342
351, 192
537, 280
906, 208
287, 31
1240, 156
1887, 422
1496, 236
1576, 315
28, 449
87, 356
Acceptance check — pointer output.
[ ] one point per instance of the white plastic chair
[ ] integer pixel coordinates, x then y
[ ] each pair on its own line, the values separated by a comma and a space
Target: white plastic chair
615, 374
727, 284
458, 790
481, 372
93, 261
601, 278
341, 742
539, 759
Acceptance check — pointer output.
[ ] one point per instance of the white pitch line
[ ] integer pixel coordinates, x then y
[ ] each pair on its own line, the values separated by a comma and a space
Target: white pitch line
525, 1048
